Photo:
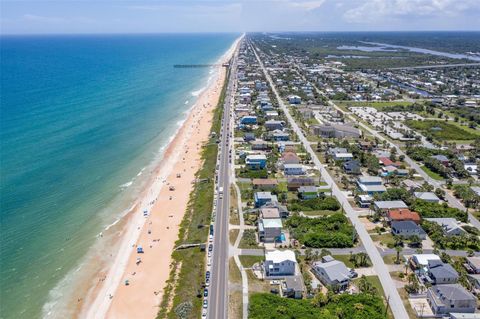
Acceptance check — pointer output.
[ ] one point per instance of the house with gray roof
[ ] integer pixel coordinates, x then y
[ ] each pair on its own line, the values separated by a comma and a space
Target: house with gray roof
407, 229
444, 299
332, 272
450, 226
386, 205
440, 273
427, 196
293, 287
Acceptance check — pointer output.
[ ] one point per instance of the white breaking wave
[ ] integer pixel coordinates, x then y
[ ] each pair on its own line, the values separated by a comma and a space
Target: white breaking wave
198, 92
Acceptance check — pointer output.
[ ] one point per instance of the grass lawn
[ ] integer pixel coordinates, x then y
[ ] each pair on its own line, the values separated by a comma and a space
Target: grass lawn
248, 261
255, 284
234, 219
232, 235
249, 239
384, 239
378, 105
235, 306
234, 274
431, 174
390, 259
446, 131
408, 307
246, 190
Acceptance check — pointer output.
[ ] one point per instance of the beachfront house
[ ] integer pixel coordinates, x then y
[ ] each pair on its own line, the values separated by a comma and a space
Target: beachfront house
408, 229
293, 169
332, 273
370, 185
444, 299
384, 206
270, 230
294, 183
293, 287
450, 226
440, 273
364, 201
262, 198
307, 192
403, 214
279, 263
257, 161
264, 183
248, 120
427, 196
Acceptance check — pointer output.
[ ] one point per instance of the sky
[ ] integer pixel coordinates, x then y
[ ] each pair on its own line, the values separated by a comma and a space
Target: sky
164, 16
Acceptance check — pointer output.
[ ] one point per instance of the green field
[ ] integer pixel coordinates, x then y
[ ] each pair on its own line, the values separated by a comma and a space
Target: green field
431, 173
378, 105
443, 131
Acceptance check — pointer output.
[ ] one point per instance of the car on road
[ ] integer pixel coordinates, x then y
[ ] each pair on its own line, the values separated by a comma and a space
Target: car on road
205, 292
209, 262
204, 313
205, 304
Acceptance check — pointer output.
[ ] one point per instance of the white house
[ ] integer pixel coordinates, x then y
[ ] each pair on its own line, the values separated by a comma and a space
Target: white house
280, 263
293, 169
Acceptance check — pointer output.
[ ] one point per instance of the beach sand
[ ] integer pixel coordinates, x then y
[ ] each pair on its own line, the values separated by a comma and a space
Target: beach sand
157, 232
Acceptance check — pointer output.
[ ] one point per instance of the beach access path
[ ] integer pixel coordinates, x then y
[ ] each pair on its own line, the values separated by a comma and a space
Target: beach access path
157, 232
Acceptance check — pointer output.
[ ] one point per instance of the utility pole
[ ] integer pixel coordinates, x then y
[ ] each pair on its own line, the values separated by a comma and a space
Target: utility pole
388, 305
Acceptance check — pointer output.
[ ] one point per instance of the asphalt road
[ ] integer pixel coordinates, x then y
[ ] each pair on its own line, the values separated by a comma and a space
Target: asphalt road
396, 303
218, 290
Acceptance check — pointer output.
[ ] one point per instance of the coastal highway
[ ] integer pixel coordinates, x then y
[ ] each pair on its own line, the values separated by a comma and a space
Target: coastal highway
395, 302
218, 290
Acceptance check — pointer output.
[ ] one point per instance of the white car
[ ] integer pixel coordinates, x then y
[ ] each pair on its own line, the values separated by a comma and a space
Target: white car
204, 313
209, 262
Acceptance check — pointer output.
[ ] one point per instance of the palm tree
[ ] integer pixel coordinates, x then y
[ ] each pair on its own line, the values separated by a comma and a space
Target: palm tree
398, 249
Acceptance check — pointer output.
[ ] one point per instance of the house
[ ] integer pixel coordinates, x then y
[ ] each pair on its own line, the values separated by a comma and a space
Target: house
247, 137
439, 273
370, 184
290, 158
293, 169
386, 205
411, 185
427, 196
269, 212
249, 119
444, 299
449, 225
332, 272
256, 161
420, 261
294, 99
245, 98
473, 265
282, 210
262, 198
330, 130
278, 135
454, 315
364, 201
272, 125
294, 183
475, 281
279, 263
351, 167
342, 156
476, 190
307, 192
441, 158
385, 161
293, 287
402, 172
259, 145
270, 230
264, 183
407, 229
271, 114
403, 214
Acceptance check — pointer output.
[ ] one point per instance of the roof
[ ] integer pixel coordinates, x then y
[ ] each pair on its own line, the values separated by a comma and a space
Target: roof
386, 161
256, 157
335, 270
307, 189
422, 259
441, 158
403, 214
270, 212
293, 166
443, 271
426, 196
264, 181
452, 292
406, 225
475, 261
290, 156
369, 179
448, 224
373, 188
277, 256
272, 223
390, 204
263, 195
294, 282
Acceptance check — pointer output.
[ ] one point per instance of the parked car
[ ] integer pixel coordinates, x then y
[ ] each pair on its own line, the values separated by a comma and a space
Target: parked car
205, 304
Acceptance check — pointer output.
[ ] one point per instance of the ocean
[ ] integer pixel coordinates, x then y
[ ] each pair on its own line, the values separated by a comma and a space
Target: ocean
83, 120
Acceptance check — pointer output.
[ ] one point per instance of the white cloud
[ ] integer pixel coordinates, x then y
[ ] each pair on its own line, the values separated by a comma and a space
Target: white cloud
43, 19
375, 10
308, 5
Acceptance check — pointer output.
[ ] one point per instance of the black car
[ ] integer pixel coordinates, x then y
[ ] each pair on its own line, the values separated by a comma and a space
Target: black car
205, 292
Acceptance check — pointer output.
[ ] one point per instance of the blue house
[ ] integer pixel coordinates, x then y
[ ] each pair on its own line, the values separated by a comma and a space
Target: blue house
248, 119
263, 198
256, 161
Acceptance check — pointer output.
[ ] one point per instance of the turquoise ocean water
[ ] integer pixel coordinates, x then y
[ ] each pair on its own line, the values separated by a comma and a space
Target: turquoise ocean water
82, 120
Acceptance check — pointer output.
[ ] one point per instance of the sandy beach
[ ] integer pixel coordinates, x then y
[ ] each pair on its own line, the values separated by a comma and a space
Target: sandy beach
154, 224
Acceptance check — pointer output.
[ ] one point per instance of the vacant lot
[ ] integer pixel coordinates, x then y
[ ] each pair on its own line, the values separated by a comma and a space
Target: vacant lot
442, 131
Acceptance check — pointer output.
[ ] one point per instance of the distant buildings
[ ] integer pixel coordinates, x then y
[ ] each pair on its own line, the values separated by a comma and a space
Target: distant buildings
335, 131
